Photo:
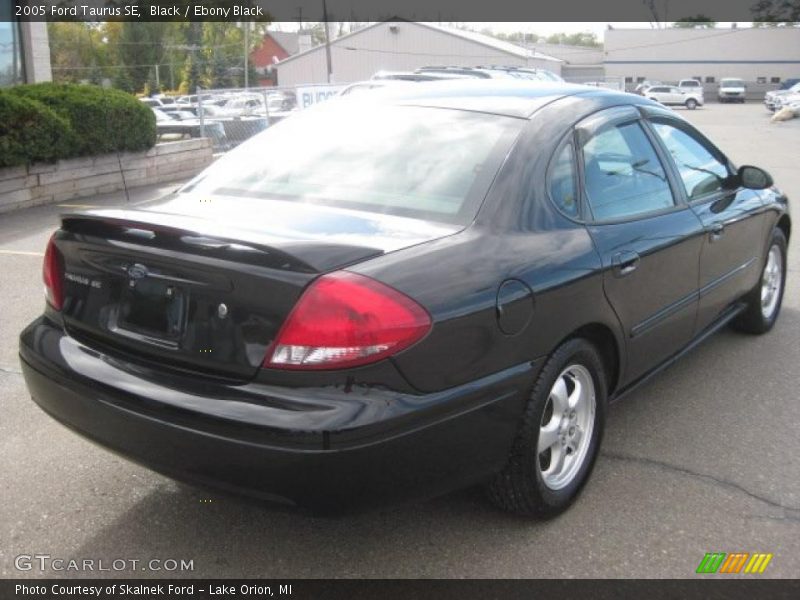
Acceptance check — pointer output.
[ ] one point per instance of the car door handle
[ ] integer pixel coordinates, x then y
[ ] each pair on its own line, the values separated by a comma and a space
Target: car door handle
715, 231
625, 263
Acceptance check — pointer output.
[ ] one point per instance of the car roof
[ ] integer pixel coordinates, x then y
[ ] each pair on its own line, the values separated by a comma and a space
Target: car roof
512, 97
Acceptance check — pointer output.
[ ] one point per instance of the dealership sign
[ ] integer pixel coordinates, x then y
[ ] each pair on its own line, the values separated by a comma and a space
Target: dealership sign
313, 94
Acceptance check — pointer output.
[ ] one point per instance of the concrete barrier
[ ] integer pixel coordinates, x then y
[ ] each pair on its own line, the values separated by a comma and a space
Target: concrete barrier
43, 183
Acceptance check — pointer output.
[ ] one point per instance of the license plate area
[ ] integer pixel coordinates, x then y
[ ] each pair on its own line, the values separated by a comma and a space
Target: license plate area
152, 310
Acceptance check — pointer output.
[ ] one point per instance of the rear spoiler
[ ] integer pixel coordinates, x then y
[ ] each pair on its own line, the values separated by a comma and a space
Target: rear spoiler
202, 237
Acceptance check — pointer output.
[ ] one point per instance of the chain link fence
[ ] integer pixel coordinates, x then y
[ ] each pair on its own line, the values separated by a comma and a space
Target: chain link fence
231, 116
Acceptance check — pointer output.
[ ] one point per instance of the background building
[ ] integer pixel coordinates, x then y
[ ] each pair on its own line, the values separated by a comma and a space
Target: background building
275, 46
404, 46
580, 63
24, 50
763, 57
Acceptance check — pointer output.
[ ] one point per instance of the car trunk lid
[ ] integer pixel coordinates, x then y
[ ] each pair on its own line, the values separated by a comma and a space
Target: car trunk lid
209, 292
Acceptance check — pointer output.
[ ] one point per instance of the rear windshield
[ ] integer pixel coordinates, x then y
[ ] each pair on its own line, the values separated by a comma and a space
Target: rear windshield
732, 83
429, 163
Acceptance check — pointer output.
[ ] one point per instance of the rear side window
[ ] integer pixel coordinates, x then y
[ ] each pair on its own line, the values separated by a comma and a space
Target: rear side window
623, 176
701, 172
563, 186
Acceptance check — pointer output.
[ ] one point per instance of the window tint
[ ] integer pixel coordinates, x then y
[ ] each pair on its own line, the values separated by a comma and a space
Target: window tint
701, 172
623, 176
563, 190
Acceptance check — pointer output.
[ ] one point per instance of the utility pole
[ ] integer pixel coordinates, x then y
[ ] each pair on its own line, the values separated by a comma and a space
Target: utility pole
246, 54
327, 39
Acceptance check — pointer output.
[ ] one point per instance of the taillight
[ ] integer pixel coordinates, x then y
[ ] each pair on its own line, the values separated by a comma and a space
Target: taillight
345, 320
53, 274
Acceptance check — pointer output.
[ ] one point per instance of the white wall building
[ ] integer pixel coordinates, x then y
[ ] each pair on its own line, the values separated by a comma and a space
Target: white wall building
763, 57
404, 46
581, 63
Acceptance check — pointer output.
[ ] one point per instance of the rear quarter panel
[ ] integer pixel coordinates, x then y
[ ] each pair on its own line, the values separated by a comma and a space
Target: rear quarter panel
518, 234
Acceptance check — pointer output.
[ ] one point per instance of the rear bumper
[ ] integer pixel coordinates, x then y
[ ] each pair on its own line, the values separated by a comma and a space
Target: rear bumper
277, 443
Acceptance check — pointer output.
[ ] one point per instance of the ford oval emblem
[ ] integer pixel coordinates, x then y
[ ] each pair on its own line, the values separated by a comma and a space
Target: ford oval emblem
137, 271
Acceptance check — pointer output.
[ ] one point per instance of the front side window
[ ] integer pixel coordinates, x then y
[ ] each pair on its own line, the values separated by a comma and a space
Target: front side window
701, 172
563, 189
623, 176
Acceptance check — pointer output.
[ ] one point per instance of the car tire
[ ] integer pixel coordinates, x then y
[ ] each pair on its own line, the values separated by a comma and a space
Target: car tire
530, 484
691, 104
765, 299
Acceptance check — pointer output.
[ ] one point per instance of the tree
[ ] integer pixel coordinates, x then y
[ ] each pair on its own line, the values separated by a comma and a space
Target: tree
772, 13
77, 52
574, 39
695, 22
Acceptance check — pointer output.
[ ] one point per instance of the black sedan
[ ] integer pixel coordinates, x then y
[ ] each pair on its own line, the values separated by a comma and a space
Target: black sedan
404, 293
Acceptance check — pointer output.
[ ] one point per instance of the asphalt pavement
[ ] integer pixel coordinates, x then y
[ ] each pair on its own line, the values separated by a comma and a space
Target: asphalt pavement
702, 459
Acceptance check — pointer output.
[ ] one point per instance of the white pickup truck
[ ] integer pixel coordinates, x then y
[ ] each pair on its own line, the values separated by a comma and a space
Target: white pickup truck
691, 85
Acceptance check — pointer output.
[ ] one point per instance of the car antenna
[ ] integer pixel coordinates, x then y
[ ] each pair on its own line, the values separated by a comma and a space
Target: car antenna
119, 163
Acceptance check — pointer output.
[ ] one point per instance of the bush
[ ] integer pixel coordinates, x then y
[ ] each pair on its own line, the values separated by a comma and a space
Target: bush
30, 131
103, 120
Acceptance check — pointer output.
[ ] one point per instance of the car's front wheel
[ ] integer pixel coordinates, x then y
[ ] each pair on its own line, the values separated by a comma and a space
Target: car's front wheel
765, 299
559, 437
691, 104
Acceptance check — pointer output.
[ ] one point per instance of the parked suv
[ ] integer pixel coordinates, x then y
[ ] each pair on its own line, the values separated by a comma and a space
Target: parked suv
494, 72
642, 87
675, 96
773, 99
731, 90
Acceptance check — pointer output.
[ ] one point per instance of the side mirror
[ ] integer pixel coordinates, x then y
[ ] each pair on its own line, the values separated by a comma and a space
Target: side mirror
754, 178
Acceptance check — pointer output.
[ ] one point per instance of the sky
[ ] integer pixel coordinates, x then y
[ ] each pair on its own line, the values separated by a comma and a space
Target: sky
544, 29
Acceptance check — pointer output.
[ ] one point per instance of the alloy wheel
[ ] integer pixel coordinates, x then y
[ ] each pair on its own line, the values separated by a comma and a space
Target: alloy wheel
565, 432
771, 281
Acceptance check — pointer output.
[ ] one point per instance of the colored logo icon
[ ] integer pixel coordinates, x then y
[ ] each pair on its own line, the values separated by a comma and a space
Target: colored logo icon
734, 563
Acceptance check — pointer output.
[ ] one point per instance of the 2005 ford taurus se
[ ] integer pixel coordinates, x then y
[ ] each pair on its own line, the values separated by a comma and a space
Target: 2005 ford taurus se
402, 294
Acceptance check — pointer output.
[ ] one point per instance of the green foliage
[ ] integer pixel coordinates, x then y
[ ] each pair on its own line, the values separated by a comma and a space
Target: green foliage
574, 39
100, 120
127, 53
695, 22
776, 13
29, 131
571, 39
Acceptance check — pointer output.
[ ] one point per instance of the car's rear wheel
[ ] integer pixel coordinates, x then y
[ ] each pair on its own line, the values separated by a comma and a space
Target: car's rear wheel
691, 104
765, 299
559, 438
